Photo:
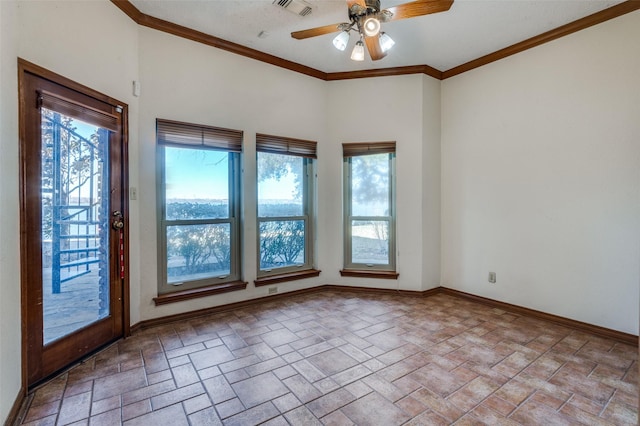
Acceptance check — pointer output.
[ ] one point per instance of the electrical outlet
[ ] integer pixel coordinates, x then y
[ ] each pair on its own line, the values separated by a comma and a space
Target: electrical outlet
492, 277
273, 290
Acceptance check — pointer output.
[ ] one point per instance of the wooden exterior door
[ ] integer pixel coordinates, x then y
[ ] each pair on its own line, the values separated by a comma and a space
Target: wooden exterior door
73, 221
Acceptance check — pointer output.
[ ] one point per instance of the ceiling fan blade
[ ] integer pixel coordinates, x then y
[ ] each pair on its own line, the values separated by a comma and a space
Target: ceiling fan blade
313, 32
419, 8
352, 2
374, 48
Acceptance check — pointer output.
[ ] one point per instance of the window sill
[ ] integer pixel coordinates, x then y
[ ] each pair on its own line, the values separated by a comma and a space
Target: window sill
290, 276
387, 275
194, 293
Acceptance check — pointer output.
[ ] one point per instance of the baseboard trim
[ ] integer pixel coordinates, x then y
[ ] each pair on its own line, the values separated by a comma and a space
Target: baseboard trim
390, 291
618, 336
15, 409
608, 333
154, 322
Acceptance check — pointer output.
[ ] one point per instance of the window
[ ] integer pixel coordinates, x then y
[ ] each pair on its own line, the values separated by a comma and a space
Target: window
369, 209
286, 192
199, 206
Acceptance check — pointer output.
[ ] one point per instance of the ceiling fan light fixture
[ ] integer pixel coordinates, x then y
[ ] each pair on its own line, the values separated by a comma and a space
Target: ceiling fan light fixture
358, 51
341, 40
386, 42
371, 27
366, 18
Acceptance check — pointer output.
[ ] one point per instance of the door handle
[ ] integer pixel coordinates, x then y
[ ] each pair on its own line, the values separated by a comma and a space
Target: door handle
118, 222
118, 225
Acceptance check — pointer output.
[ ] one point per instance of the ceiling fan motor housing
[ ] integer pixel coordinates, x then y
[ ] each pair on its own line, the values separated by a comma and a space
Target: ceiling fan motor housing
357, 10
365, 17
373, 6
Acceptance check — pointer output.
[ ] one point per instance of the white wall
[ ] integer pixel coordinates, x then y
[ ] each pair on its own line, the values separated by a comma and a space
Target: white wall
10, 337
431, 182
382, 109
541, 175
92, 43
539, 160
186, 81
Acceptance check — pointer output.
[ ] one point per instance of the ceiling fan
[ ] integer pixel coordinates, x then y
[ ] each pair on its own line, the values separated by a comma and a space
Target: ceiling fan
365, 18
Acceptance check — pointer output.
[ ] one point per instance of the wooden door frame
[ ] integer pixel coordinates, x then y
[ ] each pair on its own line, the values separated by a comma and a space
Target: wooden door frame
24, 68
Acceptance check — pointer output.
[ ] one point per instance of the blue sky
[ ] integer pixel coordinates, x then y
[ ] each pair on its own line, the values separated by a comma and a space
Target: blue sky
203, 174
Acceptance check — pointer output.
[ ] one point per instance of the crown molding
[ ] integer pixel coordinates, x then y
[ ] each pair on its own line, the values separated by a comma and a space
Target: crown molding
129, 9
190, 34
382, 72
178, 30
570, 28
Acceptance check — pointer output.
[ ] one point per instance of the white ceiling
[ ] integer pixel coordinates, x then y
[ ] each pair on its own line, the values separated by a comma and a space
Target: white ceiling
469, 30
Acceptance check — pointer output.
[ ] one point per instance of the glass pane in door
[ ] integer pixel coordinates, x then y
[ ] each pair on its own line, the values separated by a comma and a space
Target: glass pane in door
75, 224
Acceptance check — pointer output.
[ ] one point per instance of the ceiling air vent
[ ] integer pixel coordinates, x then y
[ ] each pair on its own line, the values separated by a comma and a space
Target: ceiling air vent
299, 7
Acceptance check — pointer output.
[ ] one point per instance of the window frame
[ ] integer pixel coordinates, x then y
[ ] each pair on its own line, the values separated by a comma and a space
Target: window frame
269, 144
172, 134
351, 268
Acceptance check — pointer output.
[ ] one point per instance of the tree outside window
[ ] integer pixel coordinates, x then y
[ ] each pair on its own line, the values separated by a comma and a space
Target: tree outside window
286, 182
369, 206
200, 206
